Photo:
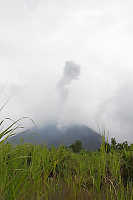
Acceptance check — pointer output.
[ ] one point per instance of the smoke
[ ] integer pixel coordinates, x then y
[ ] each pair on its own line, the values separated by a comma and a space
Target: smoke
71, 73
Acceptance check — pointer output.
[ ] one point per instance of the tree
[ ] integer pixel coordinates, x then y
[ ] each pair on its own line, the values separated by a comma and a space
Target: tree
77, 146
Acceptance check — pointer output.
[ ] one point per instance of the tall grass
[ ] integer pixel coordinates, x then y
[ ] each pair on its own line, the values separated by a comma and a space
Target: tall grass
35, 172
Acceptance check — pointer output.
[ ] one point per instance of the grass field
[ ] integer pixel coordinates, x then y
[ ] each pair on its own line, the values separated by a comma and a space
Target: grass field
35, 172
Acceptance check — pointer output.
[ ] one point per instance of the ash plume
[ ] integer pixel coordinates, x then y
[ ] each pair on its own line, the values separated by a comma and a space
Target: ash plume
71, 72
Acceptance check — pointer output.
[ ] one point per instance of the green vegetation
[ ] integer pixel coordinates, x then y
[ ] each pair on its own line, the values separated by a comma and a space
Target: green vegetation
77, 146
37, 173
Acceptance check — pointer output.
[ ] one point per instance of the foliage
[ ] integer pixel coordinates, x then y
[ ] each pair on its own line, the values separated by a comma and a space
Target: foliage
77, 146
36, 172
127, 167
114, 146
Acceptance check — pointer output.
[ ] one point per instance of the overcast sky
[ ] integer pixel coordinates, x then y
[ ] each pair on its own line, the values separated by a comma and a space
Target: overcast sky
38, 37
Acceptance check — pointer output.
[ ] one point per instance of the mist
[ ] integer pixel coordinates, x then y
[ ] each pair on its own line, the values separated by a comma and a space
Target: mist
69, 62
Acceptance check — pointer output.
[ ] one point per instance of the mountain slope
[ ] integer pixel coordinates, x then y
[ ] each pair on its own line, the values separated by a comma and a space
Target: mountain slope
52, 135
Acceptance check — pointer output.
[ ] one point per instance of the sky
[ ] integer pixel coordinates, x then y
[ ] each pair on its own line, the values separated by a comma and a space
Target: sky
38, 38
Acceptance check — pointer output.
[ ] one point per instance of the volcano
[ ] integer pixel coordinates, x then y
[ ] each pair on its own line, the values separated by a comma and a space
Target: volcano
51, 134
